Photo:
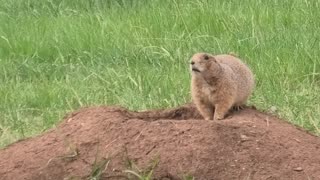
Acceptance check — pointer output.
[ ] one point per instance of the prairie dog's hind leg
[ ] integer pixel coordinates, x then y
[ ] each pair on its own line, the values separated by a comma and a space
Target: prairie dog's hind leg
238, 107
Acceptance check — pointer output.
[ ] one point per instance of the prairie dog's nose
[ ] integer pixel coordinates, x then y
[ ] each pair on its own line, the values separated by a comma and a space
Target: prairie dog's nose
192, 63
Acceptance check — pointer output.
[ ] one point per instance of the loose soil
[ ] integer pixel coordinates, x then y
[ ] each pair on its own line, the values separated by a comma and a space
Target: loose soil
105, 141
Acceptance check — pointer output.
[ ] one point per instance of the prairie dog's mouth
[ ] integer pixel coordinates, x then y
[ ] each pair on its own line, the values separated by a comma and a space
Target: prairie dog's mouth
195, 69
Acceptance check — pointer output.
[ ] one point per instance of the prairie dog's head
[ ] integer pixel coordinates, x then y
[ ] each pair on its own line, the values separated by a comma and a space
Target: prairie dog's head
202, 62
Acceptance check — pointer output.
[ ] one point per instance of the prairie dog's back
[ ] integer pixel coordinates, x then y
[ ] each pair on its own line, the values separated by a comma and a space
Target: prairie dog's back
243, 76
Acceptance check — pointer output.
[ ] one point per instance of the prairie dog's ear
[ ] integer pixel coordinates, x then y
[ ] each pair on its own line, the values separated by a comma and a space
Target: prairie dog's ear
213, 58
207, 57
233, 54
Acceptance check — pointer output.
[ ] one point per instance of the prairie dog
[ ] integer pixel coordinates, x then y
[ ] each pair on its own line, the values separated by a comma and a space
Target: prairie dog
219, 82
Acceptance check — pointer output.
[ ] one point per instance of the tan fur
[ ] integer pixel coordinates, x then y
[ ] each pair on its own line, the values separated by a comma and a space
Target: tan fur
219, 82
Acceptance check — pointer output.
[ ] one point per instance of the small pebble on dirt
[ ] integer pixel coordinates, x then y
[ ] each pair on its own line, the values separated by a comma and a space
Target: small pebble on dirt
244, 137
298, 169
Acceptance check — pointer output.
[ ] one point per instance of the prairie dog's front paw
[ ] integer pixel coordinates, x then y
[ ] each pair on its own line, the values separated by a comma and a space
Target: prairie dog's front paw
218, 118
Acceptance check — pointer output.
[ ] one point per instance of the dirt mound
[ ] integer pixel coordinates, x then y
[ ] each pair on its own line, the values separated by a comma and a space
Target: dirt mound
106, 141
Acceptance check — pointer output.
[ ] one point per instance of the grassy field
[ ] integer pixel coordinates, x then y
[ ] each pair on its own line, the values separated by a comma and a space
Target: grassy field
59, 55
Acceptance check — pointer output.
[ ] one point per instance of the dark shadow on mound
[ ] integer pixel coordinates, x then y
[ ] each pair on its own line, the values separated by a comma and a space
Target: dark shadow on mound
185, 112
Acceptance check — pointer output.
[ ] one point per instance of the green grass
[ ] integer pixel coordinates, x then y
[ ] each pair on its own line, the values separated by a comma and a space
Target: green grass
59, 55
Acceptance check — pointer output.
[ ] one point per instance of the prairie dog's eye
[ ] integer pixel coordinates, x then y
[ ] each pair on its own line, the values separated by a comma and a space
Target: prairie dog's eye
206, 57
